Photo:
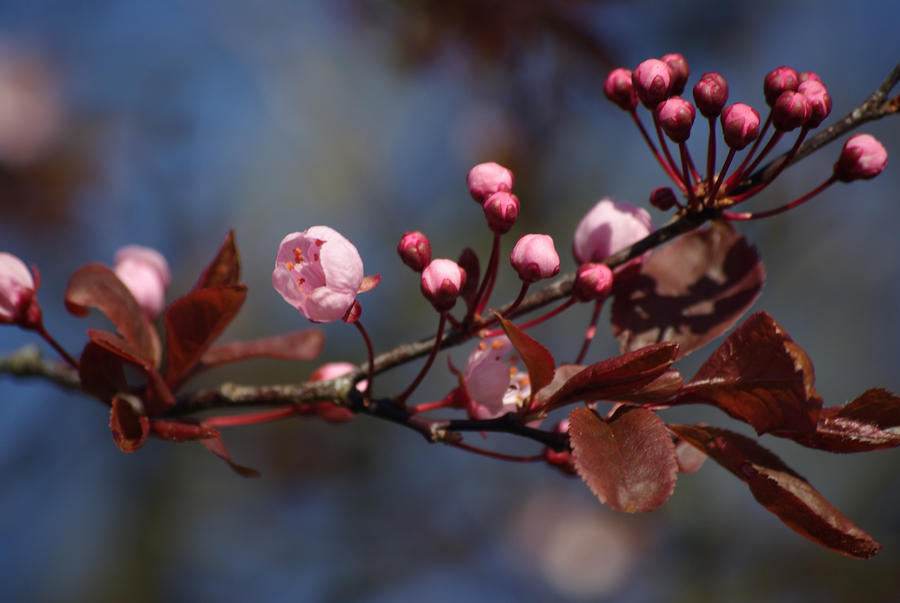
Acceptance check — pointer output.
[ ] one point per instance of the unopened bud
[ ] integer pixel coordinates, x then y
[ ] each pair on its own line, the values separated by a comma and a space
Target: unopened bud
414, 250
778, 81
819, 101
18, 303
652, 80
620, 90
740, 125
441, 283
501, 210
662, 198
710, 94
676, 117
680, 71
790, 111
534, 257
862, 157
485, 179
593, 281
807, 76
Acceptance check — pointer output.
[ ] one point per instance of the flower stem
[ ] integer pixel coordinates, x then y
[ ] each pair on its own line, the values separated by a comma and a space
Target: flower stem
668, 169
487, 285
771, 212
401, 399
55, 345
590, 332
498, 455
371, 370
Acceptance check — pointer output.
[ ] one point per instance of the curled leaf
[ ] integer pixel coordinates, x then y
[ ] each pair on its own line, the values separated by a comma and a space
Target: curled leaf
128, 424
538, 359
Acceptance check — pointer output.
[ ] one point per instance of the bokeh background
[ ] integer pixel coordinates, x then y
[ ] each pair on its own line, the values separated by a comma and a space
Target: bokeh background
166, 123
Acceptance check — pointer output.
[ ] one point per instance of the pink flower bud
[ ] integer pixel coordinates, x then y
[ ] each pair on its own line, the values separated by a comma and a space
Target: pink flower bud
710, 94
680, 71
652, 80
862, 157
806, 76
662, 198
441, 283
619, 89
607, 228
676, 116
146, 274
318, 272
485, 179
778, 81
790, 111
501, 210
17, 292
534, 257
593, 281
740, 125
819, 101
415, 250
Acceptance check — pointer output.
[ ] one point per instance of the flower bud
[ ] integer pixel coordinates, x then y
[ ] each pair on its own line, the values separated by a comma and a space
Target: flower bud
534, 257
778, 81
790, 111
415, 250
819, 101
662, 198
620, 90
441, 283
806, 76
146, 274
501, 210
593, 281
485, 179
607, 228
862, 157
676, 117
17, 293
680, 71
740, 125
710, 94
652, 80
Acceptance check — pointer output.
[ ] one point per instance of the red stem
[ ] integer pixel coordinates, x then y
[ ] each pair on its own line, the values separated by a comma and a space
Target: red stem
251, 418
590, 332
535, 321
656, 154
498, 455
401, 399
783, 208
365, 335
781, 167
55, 345
487, 285
735, 179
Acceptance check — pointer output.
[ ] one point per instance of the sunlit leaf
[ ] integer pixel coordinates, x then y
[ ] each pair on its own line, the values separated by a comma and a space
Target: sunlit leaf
538, 359
225, 269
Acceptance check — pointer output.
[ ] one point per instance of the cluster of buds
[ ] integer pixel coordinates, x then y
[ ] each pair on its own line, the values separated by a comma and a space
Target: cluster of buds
796, 101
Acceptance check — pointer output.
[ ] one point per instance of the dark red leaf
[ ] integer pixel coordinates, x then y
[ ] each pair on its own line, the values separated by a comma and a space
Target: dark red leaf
779, 489
369, 283
217, 447
129, 427
181, 431
628, 462
760, 376
622, 378
302, 345
690, 291
538, 359
101, 372
96, 286
225, 269
876, 406
194, 322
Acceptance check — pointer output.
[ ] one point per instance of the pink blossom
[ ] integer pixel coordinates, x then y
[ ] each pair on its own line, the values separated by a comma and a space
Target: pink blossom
593, 281
319, 272
676, 116
652, 80
501, 210
485, 179
680, 70
862, 157
740, 125
441, 283
493, 381
710, 94
619, 89
778, 81
146, 274
415, 250
534, 257
607, 228
16, 288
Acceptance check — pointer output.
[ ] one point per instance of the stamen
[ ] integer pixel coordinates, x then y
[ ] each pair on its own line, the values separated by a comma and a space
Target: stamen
496, 345
289, 266
319, 242
482, 346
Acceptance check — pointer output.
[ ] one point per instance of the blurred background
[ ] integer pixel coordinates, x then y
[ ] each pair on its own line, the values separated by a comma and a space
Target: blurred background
167, 123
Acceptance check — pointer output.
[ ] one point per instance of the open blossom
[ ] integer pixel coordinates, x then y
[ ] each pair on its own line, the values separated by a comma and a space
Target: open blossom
608, 227
493, 382
319, 272
146, 274
16, 288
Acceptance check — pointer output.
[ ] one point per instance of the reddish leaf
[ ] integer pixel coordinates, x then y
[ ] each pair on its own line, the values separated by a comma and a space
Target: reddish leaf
369, 283
779, 489
129, 427
194, 322
302, 345
181, 431
217, 447
629, 462
96, 286
538, 359
760, 376
101, 372
862, 425
621, 378
225, 269
690, 291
